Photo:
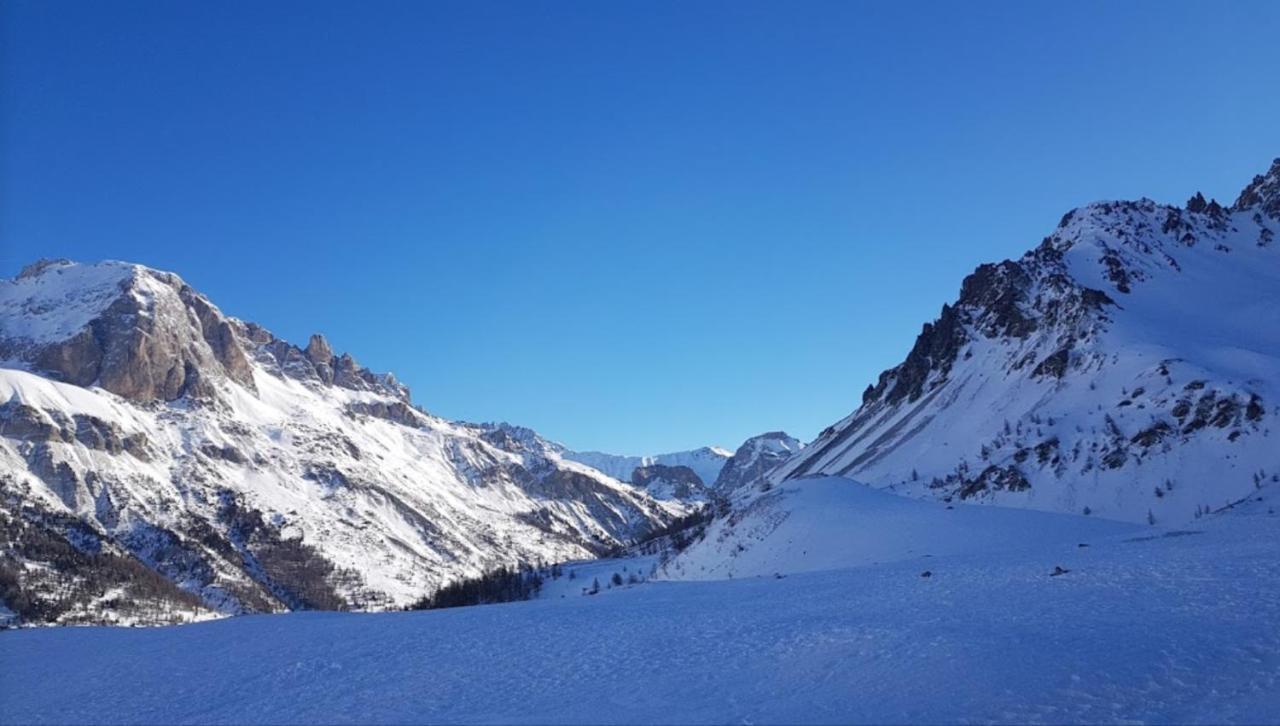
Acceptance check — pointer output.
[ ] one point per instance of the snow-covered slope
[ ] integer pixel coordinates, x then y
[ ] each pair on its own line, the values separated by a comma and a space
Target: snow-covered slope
828, 523
1148, 628
706, 462
138, 421
1128, 367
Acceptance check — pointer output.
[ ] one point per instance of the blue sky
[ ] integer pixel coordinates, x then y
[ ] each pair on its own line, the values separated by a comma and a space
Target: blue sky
634, 226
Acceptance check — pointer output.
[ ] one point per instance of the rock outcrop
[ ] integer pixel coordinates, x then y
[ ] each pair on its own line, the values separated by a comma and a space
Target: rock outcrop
670, 482
147, 336
143, 335
1126, 366
755, 460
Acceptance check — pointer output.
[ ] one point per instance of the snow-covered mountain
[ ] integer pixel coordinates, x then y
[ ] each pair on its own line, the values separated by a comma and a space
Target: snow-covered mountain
706, 462
671, 482
1127, 367
755, 460
142, 431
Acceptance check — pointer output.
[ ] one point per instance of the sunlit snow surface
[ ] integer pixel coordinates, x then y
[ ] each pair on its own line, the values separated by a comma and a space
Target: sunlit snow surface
1148, 625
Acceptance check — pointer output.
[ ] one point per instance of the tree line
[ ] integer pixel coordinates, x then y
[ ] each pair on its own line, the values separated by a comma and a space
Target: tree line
504, 584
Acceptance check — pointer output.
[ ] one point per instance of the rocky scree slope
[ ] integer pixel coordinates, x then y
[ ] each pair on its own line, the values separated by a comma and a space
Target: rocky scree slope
1127, 367
162, 461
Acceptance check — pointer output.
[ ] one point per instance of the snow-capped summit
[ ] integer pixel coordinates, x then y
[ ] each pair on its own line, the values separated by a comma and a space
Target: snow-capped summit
146, 335
209, 466
755, 459
1127, 367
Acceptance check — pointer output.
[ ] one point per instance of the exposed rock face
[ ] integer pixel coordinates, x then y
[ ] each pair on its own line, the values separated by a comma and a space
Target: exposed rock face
1135, 350
397, 411
995, 478
147, 336
321, 356
141, 334
220, 335
996, 302
669, 482
75, 360
1054, 365
754, 460
317, 362
21, 422
1262, 195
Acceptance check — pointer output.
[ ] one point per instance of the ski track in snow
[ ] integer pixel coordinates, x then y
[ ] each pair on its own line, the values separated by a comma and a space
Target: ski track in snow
1146, 627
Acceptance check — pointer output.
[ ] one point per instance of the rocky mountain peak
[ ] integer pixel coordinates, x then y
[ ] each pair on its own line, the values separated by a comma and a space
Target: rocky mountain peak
1262, 194
1198, 205
139, 333
318, 361
318, 350
755, 459
147, 335
1136, 333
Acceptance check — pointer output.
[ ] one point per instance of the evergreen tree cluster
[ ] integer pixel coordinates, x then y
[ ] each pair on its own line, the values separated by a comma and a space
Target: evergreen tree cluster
73, 582
679, 534
505, 584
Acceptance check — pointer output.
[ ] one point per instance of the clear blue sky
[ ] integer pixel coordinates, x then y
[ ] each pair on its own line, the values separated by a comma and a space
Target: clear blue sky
634, 226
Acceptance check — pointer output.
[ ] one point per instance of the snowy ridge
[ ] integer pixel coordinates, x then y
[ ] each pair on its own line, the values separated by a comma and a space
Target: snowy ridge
53, 300
1128, 367
254, 474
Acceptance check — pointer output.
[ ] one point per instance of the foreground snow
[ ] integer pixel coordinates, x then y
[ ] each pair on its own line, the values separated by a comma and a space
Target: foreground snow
1147, 625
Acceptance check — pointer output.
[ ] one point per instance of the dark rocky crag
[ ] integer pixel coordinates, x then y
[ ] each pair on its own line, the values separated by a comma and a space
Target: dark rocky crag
1047, 323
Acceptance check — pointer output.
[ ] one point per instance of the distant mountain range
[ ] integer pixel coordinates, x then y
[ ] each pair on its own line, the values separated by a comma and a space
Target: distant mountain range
706, 462
161, 461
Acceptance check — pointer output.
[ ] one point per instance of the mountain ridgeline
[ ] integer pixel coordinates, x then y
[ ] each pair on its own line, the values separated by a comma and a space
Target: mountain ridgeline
1127, 367
162, 462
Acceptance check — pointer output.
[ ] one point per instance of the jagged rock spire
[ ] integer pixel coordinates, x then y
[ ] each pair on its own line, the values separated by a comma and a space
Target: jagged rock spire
1263, 193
